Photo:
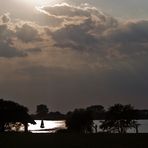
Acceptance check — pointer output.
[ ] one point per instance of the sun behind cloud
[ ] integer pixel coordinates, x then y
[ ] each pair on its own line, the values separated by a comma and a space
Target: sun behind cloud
41, 2
33, 2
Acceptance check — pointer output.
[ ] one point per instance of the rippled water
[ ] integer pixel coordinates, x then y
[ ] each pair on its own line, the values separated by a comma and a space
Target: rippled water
53, 126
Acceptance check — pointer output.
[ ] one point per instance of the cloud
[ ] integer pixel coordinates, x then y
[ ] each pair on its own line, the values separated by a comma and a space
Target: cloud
18, 38
82, 28
74, 37
66, 10
5, 18
32, 50
5, 32
82, 31
129, 38
74, 54
131, 31
8, 51
98, 33
27, 33
97, 39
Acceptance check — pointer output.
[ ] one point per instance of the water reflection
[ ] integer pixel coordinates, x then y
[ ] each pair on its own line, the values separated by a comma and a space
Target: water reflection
53, 126
49, 126
143, 128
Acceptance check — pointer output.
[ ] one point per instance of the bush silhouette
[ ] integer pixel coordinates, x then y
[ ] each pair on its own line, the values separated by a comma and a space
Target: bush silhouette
80, 121
42, 111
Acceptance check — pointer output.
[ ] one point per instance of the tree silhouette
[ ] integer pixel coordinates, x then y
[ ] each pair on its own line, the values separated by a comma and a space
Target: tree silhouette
97, 111
119, 118
11, 112
42, 111
80, 121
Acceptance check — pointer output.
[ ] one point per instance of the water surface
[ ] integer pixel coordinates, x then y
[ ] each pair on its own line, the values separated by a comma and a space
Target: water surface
53, 126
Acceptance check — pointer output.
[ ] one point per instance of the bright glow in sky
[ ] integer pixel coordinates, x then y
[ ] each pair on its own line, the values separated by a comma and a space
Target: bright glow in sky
33, 2
40, 2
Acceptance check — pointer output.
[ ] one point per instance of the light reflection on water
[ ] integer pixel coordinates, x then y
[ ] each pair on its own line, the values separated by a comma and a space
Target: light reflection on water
53, 126
49, 126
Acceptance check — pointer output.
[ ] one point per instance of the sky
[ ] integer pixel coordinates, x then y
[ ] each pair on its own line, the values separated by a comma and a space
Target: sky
72, 54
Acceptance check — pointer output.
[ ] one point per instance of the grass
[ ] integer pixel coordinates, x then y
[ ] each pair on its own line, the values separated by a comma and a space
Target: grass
63, 140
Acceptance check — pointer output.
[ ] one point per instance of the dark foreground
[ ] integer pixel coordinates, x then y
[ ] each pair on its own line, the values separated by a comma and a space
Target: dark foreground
21, 140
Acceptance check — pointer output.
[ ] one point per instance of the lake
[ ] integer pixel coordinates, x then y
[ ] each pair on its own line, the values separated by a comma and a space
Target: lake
49, 126
53, 126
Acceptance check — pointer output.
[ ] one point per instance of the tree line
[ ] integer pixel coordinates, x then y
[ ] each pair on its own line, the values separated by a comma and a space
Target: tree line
117, 118
98, 112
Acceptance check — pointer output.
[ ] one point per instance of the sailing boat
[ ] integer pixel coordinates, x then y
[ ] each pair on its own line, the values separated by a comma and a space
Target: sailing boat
42, 124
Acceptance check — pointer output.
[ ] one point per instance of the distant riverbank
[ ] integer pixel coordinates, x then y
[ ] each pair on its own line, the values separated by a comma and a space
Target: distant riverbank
63, 140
